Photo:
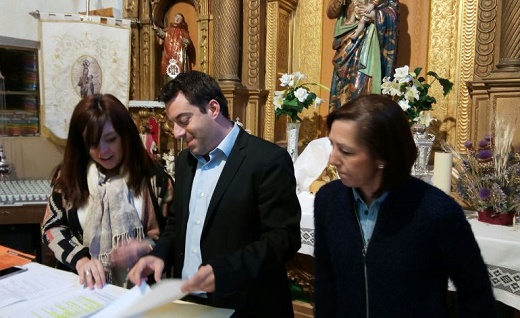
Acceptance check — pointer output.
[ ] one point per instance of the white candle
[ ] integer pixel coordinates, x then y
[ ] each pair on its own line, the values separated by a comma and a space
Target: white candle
442, 171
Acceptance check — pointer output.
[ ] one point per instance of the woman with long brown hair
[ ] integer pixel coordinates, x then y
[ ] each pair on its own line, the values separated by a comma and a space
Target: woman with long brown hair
110, 199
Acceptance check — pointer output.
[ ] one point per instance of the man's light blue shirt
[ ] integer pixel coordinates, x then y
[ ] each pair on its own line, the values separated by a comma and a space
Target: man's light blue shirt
367, 215
204, 182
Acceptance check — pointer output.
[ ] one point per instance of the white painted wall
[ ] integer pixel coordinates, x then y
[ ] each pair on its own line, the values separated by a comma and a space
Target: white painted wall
16, 22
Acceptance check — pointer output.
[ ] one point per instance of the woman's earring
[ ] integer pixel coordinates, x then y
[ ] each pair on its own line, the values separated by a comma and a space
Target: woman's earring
381, 166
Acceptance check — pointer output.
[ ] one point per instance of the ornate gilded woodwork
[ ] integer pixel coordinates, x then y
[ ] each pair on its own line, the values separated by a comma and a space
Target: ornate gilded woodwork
495, 89
227, 35
254, 44
308, 60
278, 53
294, 42
510, 37
462, 43
442, 57
142, 116
461, 108
253, 64
485, 45
246, 93
145, 81
130, 9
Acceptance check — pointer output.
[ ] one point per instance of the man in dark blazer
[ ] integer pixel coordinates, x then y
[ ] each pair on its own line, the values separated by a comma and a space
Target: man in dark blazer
237, 217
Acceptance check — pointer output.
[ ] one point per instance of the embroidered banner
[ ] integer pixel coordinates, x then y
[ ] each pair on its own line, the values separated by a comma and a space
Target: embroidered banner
81, 58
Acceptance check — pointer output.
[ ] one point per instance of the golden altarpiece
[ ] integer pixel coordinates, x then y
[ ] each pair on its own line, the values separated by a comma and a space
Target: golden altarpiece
244, 35
247, 44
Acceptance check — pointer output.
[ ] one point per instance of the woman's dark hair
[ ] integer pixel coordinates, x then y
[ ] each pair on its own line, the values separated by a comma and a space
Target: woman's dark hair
198, 88
383, 129
85, 129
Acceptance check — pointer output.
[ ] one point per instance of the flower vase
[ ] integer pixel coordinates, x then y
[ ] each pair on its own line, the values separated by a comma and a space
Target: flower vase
293, 131
424, 143
492, 217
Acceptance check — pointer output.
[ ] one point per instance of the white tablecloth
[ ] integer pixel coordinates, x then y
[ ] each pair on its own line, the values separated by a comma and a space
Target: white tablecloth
499, 245
307, 223
500, 248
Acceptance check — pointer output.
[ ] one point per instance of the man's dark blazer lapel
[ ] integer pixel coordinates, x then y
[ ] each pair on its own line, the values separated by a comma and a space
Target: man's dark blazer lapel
184, 180
233, 164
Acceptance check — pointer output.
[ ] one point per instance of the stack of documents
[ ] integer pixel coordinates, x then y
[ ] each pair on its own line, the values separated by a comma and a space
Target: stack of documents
43, 292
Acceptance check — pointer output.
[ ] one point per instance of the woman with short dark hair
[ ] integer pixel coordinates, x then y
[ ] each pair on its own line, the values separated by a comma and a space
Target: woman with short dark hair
386, 243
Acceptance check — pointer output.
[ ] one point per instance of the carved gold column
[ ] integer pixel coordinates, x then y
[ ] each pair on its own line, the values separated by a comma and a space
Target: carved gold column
148, 71
205, 23
143, 80
227, 51
510, 37
253, 64
130, 11
227, 39
278, 53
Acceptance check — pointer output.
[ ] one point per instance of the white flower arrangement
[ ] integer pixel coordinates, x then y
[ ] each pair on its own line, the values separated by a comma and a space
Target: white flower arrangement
295, 97
411, 93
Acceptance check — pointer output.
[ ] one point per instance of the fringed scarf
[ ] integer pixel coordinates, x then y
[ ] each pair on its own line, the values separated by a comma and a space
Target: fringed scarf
111, 220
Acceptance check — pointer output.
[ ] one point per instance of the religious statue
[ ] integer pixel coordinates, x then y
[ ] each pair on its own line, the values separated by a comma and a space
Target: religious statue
178, 50
86, 83
148, 134
364, 20
364, 54
169, 162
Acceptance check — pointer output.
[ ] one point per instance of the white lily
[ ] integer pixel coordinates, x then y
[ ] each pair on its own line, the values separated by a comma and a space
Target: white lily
318, 101
389, 87
411, 93
297, 77
404, 104
278, 99
424, 118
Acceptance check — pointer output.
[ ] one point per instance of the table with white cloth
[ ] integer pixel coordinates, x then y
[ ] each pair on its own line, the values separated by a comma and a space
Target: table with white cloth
500, 248
307, 223
499, 245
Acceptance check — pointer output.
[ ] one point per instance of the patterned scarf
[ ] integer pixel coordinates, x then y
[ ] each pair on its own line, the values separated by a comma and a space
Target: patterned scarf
111, 220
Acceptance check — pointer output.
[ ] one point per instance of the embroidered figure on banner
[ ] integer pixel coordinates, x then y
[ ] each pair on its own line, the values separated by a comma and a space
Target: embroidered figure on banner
89, 81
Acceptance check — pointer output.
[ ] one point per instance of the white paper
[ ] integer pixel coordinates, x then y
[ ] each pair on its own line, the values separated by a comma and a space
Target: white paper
72, 302
31, 284
58, 294
162, 293
141, 299
124, 302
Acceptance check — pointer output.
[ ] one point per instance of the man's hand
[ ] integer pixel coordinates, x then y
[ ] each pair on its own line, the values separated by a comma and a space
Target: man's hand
127, 254
144, 267
203, 280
